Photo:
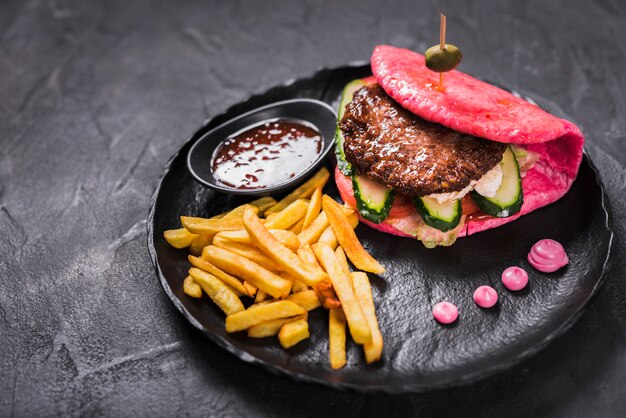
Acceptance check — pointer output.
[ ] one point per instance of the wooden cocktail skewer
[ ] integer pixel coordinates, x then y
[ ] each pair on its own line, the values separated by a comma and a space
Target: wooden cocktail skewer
443, 57
442, 44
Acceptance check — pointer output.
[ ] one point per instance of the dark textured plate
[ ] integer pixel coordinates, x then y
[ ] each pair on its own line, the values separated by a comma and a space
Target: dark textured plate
419, 354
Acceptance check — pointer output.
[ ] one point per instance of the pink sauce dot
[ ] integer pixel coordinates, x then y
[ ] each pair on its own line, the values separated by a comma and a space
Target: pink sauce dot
445, 312
514, 278
547, 256
485, 296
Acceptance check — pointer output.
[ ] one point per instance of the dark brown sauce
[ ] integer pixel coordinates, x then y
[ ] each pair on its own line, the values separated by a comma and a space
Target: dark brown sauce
266, 154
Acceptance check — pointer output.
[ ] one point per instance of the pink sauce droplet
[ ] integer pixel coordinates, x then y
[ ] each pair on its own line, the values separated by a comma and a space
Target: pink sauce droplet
514, 278
445, 312
547, 256
485, 296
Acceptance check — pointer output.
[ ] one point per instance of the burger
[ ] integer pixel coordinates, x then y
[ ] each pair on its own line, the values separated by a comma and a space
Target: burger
437, 164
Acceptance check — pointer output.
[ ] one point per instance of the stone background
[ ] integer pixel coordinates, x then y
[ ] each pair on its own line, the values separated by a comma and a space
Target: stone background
96, 96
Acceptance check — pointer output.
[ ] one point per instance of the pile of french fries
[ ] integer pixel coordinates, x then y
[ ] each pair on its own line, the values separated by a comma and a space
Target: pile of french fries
289, 257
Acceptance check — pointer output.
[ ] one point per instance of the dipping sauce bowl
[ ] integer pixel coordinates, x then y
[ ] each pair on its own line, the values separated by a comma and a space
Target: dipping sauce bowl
264, 151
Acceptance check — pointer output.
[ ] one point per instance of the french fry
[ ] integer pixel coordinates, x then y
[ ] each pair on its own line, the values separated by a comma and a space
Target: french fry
248, 251
293, 332
231, 281
341, 257
326, 294
363, 291
307, 256
199, 243
353, 218
304, 191
287, 238
263, 203
179, 238
329, 237
346, 210
337, 338
218, 291
271, 328
348, 239
314, 208
248, 270
312, 233
307, 299
298, 287
250, 317
324, 289
282, 255
261, 296
250, 289
230, 221
288, 216
259, 304
210, 226
359, 328
297, 227
191, 288
237, 212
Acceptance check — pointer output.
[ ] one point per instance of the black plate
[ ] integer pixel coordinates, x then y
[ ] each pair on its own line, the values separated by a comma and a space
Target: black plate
419, 354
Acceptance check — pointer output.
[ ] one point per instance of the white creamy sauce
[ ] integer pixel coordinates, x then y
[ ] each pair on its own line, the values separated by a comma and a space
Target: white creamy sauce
487, 186
490, 182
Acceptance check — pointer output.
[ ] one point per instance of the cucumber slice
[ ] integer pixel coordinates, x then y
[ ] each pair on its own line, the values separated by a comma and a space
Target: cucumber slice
373, 199
519, 152
525, 159
442, 216
510, 196
346, 97
347, 93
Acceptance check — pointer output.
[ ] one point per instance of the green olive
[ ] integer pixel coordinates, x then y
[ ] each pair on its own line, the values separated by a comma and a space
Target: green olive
442, 60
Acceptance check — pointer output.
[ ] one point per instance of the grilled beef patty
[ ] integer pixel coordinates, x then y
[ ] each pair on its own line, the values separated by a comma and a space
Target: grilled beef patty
412, 156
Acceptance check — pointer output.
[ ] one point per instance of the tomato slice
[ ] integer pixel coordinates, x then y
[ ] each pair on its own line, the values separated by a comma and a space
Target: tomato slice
469, 206
344, 184
401, 207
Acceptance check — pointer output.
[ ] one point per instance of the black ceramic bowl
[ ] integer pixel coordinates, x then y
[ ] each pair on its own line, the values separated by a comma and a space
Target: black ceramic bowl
309, 111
